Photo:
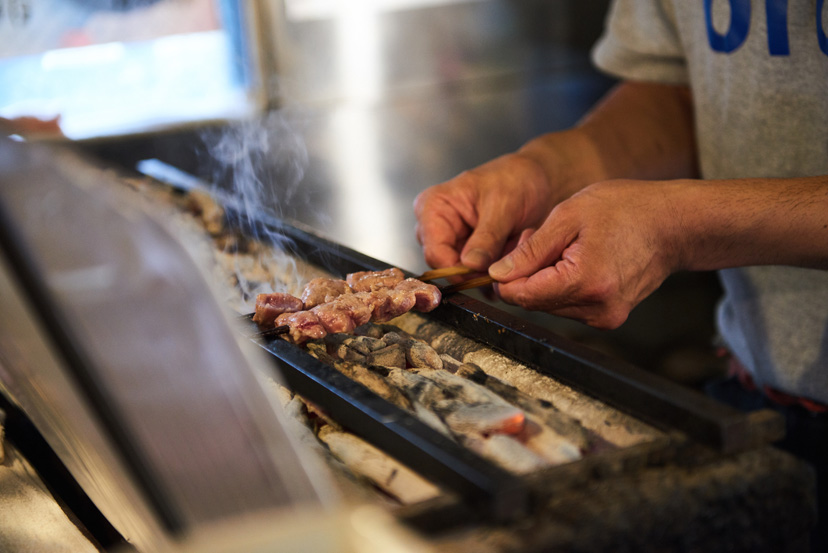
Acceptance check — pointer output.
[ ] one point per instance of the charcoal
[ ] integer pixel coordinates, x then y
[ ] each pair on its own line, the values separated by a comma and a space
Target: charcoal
365, 344
450, 363
389, 356
423, 356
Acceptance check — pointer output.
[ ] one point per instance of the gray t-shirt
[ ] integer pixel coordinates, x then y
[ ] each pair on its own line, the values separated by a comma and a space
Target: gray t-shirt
759, 75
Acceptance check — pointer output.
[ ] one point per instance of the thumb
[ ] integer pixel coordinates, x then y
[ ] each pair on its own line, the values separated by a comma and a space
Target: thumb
534, 251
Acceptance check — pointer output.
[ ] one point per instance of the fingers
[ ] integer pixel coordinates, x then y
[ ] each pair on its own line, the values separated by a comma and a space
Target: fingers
593, 259
535, 250
562, 269
440, 228
470, 218
489, 237
565, 291
464, 221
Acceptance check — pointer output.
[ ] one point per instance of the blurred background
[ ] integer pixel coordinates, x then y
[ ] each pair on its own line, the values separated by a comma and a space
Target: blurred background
335, 114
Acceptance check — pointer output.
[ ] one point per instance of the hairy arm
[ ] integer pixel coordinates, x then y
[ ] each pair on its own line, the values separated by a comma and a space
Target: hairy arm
638, 131
737, 222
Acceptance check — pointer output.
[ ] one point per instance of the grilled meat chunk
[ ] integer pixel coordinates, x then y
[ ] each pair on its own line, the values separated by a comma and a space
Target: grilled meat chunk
270, 306
304, 326
322, 290
427, 295
340, 306
387, 304
367, 281
343, 314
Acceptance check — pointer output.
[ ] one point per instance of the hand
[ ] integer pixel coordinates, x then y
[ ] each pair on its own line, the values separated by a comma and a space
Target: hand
597, 255
32, 125
470, 219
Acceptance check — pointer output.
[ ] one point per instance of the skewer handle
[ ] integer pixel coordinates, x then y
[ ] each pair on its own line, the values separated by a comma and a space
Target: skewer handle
471, 283
434, 274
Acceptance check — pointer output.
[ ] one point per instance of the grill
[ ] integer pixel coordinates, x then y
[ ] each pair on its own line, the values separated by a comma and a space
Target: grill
684, 419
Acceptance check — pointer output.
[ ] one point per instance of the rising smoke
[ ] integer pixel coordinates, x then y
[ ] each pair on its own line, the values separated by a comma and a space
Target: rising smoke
259, 165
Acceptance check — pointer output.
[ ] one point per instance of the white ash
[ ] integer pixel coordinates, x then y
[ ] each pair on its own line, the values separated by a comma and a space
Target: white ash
614, 426
388, 474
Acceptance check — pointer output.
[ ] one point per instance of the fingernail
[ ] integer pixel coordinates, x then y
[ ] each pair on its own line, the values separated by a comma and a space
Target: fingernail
502, 268
476, 258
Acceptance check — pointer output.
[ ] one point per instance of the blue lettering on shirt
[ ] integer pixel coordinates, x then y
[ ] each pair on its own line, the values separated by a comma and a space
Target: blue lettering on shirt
776, 12
739, 26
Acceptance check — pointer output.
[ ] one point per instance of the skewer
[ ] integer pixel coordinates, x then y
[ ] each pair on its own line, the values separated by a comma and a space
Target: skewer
267, 333
438, 273
275, 331
434, 274
471, 283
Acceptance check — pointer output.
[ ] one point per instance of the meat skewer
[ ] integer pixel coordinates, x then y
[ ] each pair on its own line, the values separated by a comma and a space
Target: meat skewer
330, 306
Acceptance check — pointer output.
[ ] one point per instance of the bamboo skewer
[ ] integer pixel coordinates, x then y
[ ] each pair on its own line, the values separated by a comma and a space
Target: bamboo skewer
267, 333
457, 270
444, 272
471, 283
275, 331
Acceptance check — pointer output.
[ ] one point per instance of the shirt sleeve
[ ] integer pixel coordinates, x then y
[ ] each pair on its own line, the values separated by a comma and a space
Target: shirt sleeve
641, 42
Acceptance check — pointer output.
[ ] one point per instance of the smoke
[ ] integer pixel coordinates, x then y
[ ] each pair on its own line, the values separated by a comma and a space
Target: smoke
259, 162
258, 166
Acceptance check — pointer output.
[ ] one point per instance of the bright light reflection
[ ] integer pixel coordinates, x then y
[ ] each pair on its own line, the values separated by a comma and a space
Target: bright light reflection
120, 88
359, 49
364, 201
298, 10
96, 54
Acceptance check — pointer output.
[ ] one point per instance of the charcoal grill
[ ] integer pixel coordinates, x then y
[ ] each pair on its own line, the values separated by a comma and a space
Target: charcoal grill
686, 418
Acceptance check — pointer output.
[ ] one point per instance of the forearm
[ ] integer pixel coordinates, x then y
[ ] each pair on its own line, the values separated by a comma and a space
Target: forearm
638, 131
740, 222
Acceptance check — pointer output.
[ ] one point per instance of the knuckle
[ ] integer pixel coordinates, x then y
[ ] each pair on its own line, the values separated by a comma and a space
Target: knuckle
601, 288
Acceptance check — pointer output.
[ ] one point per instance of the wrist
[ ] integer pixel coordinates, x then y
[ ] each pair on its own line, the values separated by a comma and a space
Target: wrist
676, 231
569, 160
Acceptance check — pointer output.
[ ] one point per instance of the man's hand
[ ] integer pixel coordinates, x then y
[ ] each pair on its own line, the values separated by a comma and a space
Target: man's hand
470, 218
477, 216
596, 256
605, 249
